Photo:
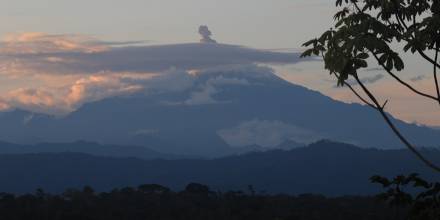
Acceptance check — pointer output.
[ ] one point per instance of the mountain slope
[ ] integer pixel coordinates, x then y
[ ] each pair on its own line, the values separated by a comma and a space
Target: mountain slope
324, 167
214, 113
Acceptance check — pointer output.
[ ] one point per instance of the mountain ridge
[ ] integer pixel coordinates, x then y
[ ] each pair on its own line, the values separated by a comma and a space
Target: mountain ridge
324, 167
215, 113
86, 147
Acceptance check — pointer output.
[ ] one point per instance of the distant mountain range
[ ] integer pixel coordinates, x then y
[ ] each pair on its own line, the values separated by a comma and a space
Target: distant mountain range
324, 167
87, 148
212, 114
118, 151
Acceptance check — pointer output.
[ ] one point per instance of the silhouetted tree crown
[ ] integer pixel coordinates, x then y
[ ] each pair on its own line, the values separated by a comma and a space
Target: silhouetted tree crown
367, 31
196, 202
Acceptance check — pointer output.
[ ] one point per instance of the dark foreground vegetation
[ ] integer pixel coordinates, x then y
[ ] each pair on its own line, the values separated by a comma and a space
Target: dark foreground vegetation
195, 202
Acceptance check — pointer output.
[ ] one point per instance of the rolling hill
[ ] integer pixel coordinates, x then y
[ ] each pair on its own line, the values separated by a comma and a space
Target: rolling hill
324, 167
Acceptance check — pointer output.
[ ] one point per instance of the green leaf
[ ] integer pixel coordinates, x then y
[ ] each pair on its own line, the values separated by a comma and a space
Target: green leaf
360, 63
389, 64
383, 58
381, 180
398, 64
310, 42
307, 53
363, 56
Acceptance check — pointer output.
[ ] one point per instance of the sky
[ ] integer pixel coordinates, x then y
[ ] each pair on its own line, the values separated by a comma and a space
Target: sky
80, 28
256, 23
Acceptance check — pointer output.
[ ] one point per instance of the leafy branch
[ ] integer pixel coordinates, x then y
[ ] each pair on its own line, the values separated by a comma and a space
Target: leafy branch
367, 28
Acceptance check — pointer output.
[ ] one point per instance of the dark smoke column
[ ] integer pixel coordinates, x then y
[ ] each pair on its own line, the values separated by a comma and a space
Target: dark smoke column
206, 35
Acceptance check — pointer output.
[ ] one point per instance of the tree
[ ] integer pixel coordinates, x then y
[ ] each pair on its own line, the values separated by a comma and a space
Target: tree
153, 189
196, 188
424, 206
369, 31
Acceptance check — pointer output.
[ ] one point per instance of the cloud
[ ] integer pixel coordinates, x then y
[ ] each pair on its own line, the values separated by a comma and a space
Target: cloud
373, 79
98, 87
365, 80
403, 103
62, 72
37, 43
65, 99
374, 69
250, 71
36, 53
208, 83
40, 100
202, 87
206, 35
417, 78
41, 43
266, 133
89, 88
204, 95
169, 81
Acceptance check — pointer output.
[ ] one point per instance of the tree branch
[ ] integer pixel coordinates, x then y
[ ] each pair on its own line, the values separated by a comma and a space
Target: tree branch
402, 23
429, 59
435, 74
375, 103
395, 129
356, 93
403, 82
423, 54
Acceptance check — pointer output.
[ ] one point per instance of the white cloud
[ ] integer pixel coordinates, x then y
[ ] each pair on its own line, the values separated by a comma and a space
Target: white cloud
204, 95
98, 87
77, 90
40, 43
266, 133
36, 53
171, 80
67, 98
60, 95
62, 72
221, 81
40, 100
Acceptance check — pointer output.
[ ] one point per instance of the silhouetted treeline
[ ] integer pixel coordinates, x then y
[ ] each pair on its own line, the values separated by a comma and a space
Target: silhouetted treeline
195, 202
